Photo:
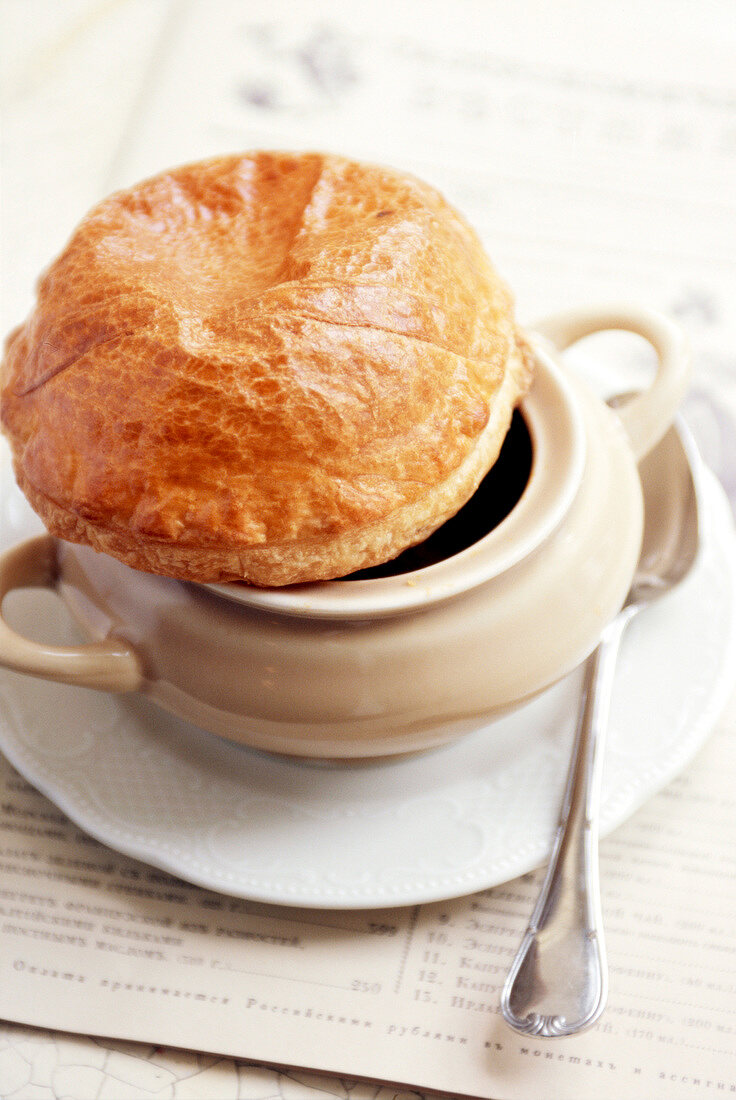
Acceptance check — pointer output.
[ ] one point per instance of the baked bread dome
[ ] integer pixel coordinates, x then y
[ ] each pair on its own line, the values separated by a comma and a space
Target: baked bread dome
267, 367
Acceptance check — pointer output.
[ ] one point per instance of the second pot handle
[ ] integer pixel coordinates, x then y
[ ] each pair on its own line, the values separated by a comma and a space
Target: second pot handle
648, 415
110, 665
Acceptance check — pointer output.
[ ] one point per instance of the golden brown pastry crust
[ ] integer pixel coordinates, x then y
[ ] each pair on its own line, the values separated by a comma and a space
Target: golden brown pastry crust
270, 367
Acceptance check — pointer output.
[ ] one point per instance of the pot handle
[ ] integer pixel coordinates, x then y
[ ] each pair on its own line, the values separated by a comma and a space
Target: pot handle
648, 415
111, 665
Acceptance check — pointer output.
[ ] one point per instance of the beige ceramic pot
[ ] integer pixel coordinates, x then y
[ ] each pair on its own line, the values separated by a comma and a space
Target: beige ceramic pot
374, 667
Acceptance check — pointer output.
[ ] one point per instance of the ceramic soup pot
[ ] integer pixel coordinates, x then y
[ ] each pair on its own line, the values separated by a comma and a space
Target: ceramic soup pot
398, 662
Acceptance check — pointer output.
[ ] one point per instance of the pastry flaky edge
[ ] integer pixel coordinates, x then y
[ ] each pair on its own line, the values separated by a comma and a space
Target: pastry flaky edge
273, 368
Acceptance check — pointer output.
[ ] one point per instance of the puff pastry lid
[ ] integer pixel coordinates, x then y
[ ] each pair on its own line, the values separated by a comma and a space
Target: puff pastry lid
265, 367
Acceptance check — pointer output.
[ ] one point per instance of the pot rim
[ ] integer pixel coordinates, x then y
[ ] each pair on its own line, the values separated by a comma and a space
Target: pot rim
557, 432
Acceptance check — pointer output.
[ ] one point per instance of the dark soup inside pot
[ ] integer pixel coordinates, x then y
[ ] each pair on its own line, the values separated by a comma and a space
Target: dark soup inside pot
492, 501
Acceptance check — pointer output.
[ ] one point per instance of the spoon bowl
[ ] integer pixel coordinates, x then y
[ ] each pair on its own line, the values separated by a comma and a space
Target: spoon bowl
670, 540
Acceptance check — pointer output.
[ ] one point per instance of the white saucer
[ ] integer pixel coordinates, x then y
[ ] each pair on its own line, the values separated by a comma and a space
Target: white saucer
455, 821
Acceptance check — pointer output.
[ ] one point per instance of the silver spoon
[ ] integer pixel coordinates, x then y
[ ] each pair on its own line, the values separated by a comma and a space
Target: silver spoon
558, 983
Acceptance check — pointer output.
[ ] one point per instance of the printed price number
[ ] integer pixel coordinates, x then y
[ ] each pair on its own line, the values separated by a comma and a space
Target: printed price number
377, 929
359, 985
640, 1033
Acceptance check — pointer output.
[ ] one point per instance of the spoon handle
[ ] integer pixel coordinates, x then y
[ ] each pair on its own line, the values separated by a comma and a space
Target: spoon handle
558, 983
